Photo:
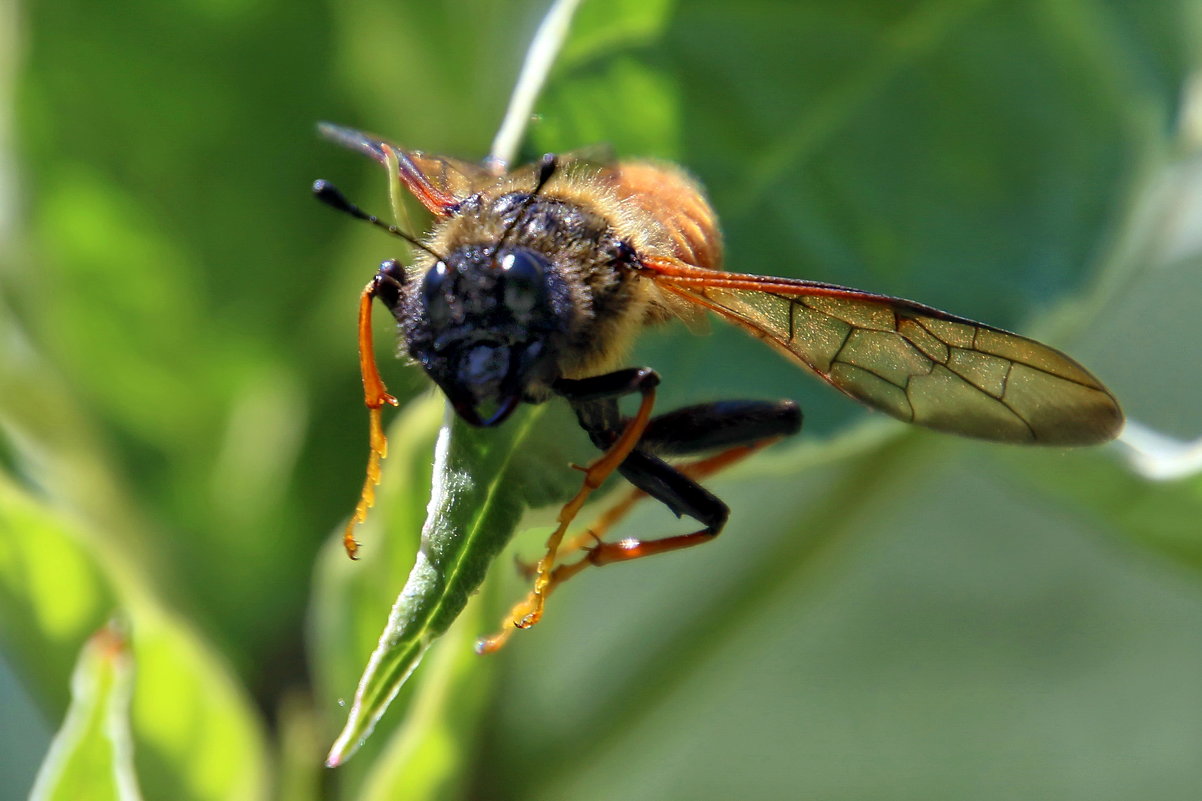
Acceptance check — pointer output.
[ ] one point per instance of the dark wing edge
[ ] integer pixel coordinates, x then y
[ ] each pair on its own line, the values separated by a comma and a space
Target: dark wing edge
355, 140
438, 182
914, 362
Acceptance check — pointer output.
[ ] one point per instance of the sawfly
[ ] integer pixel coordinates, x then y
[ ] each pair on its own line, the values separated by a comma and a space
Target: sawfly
532, 283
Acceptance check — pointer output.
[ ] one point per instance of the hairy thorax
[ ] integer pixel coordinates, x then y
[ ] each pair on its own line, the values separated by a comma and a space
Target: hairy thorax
594, 226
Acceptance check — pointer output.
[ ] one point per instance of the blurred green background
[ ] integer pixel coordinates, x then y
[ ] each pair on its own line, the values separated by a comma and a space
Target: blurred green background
890, 614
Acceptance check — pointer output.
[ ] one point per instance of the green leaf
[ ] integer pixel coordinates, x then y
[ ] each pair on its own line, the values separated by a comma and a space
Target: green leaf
52, 595
1160, 515
92, 754
483, 480
1145, 326
982, 157
350, 598
429, 756
196, 734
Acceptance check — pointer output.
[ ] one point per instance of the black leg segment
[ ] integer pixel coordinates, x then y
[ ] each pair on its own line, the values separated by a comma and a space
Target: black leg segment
675, 490
723, 426
606, 386
726, 424
734, 429
695, 429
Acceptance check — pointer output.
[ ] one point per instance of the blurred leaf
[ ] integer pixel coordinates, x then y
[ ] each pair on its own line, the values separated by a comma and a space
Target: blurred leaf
982, 157
600, 29
92, 754
815, 493
1165, 516
197, 737
400, 74
950, 606
298, 774
51, 594
168, 275
1153, 313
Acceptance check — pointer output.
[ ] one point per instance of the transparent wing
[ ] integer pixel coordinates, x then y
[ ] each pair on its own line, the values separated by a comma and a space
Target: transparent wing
439, 182
913, 362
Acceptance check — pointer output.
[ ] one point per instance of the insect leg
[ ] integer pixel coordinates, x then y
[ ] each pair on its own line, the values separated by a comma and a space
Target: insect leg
603, 389
741, 427
386, 285
724, 424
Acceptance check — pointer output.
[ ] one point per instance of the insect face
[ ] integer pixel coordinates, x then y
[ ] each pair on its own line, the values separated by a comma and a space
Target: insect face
482, 322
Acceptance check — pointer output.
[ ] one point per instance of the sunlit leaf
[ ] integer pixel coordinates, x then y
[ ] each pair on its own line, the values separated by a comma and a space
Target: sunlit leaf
92, 754
51, 593
196, 735
192, 721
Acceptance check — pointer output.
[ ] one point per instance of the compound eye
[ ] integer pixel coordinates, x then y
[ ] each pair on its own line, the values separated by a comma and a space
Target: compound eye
434, 294
524, 280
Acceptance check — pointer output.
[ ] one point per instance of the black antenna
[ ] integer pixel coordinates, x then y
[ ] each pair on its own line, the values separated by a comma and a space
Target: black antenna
329, 194
547, 166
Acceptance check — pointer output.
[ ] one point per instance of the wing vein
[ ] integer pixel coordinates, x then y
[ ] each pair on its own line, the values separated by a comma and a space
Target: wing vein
913, 362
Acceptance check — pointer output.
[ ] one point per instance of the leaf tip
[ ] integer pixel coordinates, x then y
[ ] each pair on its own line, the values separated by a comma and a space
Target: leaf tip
342, 750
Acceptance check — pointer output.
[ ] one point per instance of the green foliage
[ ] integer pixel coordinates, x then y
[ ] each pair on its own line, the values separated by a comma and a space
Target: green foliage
92, 757
484, 480
195, 733
890, 614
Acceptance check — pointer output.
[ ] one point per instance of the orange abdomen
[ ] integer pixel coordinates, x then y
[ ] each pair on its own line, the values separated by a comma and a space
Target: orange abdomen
676, 202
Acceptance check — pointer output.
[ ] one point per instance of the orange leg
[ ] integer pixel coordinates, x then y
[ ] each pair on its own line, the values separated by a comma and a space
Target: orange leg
527, 612
604, 553
735, 429
375, 395
697, 470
